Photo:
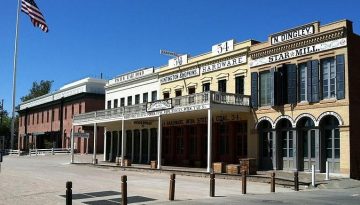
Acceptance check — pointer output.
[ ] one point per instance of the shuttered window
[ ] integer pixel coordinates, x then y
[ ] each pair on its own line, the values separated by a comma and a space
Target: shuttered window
340, 77
265, 88
302, 82
291, 84
254, 90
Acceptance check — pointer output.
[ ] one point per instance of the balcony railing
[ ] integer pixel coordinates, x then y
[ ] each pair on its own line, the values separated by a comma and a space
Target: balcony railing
139, 110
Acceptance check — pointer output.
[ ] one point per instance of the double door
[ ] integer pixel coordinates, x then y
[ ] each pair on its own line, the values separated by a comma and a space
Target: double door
310, 149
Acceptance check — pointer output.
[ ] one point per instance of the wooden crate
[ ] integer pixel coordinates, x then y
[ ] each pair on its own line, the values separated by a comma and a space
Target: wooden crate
153, 164
248, 165
219, 167
233, 168
127, 162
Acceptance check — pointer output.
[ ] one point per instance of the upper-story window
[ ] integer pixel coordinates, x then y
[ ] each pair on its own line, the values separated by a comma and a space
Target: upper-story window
137, 99
303, 82
122, 102
222, 86
72, 111
265, 88
52, 115
42, 117
239, 85
177, 93
37, 118
129, 99
191, 90
115, 103
206, 87
80, 108
65, 113
145, 97
59, 114
47, 116
109, 104
33, 118
154, 95
166, 95
328, 71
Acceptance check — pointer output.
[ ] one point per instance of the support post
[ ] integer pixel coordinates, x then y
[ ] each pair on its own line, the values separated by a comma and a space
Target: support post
140, 151
105, 138
327, 176
122, 143
172, 187
274, 151
72, 145
296, 181
149, 145
118, 145
111, 146
68, 193
132, 146
212, 185
209, 141
159, 142
313, 175
272, 186
124, 190
243, 181
95, 138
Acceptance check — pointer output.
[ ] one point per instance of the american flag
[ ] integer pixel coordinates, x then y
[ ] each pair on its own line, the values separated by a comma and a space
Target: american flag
30, 8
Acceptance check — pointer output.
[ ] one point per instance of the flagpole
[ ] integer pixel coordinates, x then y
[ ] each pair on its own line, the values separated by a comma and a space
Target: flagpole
14, 78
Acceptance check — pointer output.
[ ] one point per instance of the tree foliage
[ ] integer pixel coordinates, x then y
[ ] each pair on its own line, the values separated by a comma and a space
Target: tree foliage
38, 89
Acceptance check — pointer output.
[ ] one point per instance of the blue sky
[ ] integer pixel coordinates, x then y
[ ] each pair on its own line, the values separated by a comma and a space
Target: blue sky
89, 37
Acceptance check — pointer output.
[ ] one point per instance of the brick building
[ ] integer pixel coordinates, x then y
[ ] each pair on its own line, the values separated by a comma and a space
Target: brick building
46, 121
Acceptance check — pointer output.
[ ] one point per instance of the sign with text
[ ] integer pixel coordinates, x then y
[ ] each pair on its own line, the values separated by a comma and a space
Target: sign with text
178, 61
224, 63
159, 105
132, 75
223, 47
293, 34
299, 52
180, 75
81, 135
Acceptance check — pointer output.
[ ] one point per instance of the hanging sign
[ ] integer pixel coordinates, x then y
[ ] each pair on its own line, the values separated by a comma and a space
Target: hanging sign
81, 135
159, 105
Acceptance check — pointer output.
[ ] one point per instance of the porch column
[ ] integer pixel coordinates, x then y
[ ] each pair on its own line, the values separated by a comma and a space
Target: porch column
295, 150
111, 146
104, 144
149, 146
95, 138
122, 143
118, 144
159, 142
87, 145
132, 146
72, 145
140, 151
317, 150
274, 150
209, 141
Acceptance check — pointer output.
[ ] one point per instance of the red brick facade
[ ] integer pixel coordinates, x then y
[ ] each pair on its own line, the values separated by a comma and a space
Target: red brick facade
52, 123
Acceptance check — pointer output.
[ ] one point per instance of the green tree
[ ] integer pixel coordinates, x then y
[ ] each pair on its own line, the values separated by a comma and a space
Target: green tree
38, 89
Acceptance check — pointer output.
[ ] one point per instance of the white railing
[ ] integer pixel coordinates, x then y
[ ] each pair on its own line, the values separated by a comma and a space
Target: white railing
52, 151
139, 110
12, 151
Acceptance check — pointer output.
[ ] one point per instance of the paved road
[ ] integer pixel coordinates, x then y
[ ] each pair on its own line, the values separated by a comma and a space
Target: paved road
41, 180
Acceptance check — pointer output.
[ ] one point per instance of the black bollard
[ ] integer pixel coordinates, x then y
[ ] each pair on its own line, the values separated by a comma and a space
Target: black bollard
172, 187
243, 175
296, 181
212, 185
68, 193
272, 184
124, 190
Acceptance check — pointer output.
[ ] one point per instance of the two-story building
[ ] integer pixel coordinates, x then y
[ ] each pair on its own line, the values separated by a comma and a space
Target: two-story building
46, 121
305, 96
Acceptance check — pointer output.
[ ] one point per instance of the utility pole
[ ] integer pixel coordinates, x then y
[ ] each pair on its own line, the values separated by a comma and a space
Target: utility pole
2, 111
